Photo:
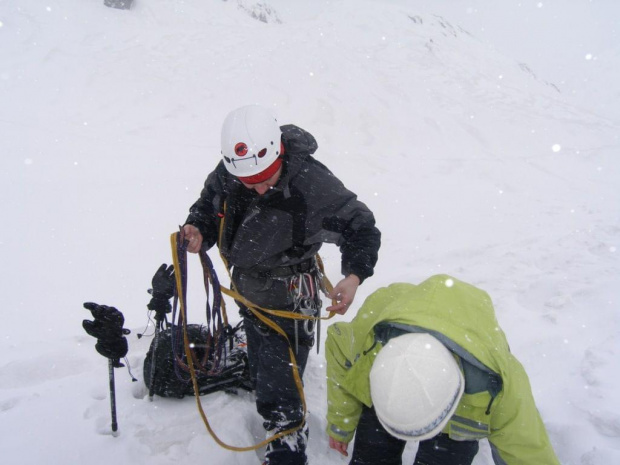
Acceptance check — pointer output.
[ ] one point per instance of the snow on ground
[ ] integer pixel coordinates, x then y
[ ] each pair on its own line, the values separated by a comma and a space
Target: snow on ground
475, 163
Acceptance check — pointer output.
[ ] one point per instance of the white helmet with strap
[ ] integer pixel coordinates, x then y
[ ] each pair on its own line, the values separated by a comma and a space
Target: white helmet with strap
415, 386
251, 144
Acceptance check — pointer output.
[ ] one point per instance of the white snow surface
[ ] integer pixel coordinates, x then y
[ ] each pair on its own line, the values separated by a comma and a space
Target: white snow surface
476, 163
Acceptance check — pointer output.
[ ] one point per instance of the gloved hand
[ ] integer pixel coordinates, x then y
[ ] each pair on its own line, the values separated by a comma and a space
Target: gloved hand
163, 289
107, 327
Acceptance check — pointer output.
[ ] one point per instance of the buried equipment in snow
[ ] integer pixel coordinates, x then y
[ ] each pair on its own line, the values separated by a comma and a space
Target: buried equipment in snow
119, 4
183, 359
217, 351
166, 370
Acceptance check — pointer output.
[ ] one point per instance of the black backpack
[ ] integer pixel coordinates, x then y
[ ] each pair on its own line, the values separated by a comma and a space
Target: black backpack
169, 376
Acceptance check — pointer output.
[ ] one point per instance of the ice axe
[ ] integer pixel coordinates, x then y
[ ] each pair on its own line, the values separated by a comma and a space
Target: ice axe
107, 328
164, 285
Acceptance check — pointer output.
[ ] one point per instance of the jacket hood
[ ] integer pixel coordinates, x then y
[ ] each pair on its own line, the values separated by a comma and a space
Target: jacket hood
298, 145
444, 304
297, 140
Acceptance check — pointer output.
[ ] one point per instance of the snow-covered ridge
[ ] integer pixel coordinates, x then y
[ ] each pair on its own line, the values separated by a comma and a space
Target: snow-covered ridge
474, 166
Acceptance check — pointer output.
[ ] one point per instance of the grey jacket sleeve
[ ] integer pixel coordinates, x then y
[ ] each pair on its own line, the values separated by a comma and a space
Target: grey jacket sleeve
345, 221
204, 212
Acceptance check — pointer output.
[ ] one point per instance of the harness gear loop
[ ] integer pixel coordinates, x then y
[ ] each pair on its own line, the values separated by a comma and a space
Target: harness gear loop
307, 301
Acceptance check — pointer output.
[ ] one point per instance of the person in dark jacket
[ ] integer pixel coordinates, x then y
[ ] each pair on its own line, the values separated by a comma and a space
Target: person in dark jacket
270, 205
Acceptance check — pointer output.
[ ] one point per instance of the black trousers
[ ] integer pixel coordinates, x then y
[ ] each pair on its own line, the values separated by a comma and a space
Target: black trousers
375, 446
277, 396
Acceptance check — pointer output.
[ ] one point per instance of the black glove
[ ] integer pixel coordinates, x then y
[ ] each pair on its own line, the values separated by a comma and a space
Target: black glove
163, 289
107, 327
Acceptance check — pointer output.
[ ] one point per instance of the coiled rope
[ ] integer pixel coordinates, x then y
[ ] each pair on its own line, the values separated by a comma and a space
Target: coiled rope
179, 257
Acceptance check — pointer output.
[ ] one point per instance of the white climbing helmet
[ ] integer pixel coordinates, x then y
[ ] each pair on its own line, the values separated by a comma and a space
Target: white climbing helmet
251, 144
415, 386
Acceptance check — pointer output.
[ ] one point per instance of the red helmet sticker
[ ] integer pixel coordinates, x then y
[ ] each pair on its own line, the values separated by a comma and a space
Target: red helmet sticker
241, 149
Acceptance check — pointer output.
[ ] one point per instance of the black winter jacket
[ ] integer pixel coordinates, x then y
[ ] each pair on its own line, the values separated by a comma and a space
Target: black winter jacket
287, 225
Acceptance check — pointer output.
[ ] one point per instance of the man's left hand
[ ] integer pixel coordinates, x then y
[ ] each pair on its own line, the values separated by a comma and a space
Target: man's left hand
344, 293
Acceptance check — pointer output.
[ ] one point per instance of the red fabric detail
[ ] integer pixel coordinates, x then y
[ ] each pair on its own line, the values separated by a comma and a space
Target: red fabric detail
263, 175
241, 149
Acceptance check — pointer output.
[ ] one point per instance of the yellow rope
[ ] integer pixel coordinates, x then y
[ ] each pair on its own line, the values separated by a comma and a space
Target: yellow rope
258, 312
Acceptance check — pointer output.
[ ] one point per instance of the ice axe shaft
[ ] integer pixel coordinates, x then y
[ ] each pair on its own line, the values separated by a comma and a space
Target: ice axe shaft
112, 396
152, 373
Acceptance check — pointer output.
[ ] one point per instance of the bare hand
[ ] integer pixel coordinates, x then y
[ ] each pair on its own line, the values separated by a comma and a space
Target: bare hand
344, 293
194, 238
339, 446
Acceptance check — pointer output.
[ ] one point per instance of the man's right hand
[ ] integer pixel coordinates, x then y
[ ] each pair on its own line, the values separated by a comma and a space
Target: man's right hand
194, 238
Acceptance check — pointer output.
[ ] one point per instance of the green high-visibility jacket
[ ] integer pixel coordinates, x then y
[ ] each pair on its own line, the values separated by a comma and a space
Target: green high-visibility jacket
497, 403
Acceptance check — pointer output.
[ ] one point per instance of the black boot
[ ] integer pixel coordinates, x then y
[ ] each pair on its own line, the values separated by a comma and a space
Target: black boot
289, 449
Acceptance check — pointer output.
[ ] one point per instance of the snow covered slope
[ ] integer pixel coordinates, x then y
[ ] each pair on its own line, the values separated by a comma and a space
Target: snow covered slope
474, 165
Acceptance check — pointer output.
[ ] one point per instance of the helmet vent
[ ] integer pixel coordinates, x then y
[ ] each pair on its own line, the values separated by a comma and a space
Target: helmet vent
241, 149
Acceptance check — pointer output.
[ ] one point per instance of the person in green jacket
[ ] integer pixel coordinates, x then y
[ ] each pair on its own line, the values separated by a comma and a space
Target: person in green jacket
430, 363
